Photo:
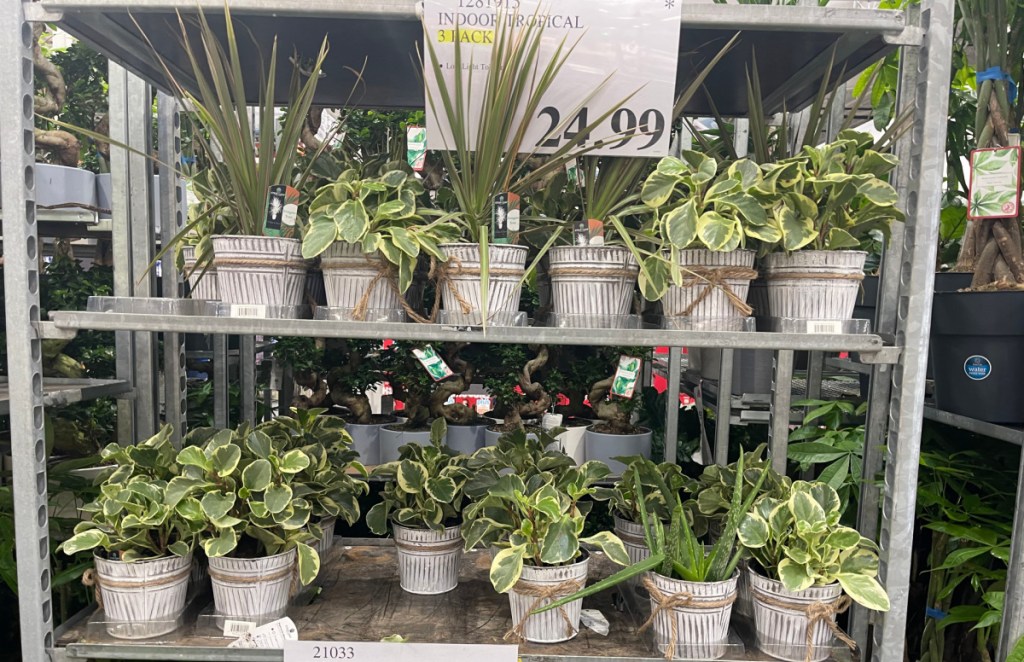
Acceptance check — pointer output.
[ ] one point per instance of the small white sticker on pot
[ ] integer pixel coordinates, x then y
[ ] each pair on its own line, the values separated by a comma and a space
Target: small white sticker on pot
977, 367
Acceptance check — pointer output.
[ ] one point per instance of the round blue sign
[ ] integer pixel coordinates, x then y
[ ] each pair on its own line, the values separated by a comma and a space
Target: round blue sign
977, 367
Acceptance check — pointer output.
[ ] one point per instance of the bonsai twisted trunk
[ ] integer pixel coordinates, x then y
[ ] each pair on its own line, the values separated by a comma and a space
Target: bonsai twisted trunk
614, 416
455, 413
50, 102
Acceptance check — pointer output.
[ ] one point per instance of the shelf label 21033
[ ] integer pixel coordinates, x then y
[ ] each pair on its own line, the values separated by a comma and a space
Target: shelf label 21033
317, 651
618, 79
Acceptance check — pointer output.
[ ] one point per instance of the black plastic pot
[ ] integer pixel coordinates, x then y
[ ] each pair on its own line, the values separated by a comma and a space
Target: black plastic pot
977, 351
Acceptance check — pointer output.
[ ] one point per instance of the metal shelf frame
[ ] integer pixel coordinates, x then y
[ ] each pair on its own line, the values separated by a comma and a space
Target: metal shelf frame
898, 362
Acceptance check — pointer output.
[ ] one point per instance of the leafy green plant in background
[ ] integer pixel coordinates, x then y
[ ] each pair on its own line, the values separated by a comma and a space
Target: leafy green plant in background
826, 438
661, 484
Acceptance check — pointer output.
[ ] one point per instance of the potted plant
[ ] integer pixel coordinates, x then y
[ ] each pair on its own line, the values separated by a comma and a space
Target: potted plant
465, 426
141, 544
353, 368
692, 586
698, 263
486, 156
412, 385
369, 233
246, 490
615, 434
257, 260
534, 524
570, 374
824, 203
326, 483
422, 501
519, 396
803, 562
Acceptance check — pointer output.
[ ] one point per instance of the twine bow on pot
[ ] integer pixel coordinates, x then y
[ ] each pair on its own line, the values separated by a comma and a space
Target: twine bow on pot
716, 278
667, 602
540, 595
816, 612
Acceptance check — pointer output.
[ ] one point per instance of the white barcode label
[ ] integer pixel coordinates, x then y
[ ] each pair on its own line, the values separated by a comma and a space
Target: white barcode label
246, 310
238, 628
824, 326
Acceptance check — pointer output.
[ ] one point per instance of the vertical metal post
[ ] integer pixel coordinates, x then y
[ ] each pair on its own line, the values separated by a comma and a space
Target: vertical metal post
723, 414
121, 238
675, 369
247, 377
815, 369
221, 388
24, 347
172, 193
1013, 606
139, 108
782, 395
917, 282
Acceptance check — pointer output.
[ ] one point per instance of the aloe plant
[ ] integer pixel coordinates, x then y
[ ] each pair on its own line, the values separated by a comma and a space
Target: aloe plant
424, 488
379, 214
132, 518
800, 542
244, 488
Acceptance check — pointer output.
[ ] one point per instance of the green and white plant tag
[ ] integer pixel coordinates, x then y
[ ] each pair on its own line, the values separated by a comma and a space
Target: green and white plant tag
416, 147
995, 183
433, 363
626, 376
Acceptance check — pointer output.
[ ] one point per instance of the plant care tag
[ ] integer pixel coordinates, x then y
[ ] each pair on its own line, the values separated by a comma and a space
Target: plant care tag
373, 651
626, 376
573, 173
595, 620
995, 183
588, 233
434, 364
551, 421
504, 217
282, 207
272, 635
416, 147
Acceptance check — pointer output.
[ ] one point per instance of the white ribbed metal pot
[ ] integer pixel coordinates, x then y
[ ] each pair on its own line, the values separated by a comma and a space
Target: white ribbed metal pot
702, 630
354, 279
507, 265
782, 632
604, 446
202, 285
815, 285
632, 536
267, 271
717, 304
249, 588
428, 561
326, 541
144, 598
391, 440
551, 626
592, 282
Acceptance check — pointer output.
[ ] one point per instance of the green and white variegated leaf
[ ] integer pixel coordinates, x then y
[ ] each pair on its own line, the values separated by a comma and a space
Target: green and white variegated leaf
294, 461
412, 476
216, 504
260, 444
180, 487
879, 192
746, 206
681, 224
441, 489
377, 518
560, 543
794, 576
864, 591
404, 241
797, 231
746, 171
257, 476
352, 220
321, 233
611, 545
703, 168
309, 563
194, 456
179, 548
805, 508
753, 531
277, 498
507, 568
718, 232
654, 278
84, 541
839, 239
225, 459
657, 189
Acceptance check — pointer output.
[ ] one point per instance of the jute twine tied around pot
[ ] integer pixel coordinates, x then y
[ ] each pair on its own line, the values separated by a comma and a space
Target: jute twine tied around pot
386, 273
810, 275
258, 262
715, 278
272, 577
816, 612
540, 594
672, 601
91, 579
442, 272
621, 272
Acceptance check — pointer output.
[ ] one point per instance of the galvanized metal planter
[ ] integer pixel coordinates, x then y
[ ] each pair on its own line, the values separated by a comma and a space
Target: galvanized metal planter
357, 280
202, 284
715, 284
698, 629
144, 598
460, 283
592, 283
782, 631
253, 588
555, 625
267, 271
815, 285
428, 561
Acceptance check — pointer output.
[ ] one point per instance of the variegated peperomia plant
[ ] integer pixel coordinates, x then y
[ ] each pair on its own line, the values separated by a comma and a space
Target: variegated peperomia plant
800, 542
244, 489
424, 487
661, 484
132, 518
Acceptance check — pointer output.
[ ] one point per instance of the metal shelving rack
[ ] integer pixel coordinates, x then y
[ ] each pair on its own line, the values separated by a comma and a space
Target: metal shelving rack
807, 36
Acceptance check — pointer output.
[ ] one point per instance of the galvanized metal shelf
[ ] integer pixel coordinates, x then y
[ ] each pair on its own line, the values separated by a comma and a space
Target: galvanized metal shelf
792, 45
1013, 435
58, 392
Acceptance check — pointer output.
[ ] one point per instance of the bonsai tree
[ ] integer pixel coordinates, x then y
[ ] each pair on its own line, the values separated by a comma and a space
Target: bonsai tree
245, 488
464, 368
615, 413
410, 383
799, 541
573, 370
423, 489
518, 394
135, 516
353, 368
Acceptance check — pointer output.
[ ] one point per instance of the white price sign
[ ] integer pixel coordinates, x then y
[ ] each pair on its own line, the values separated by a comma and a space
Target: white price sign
363, 651
622, 48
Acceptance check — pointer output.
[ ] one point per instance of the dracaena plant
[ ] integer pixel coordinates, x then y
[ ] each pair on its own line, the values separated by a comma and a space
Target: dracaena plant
131, 519
693, 205
379, 214
661, 484
800, 542
244, 487
424, 488
326, 483
538, 521
831, 197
